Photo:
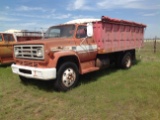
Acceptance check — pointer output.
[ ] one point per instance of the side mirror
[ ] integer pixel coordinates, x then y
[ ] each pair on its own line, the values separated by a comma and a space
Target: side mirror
89, 29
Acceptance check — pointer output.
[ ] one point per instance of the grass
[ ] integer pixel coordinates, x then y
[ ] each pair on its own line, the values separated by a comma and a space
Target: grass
111, 94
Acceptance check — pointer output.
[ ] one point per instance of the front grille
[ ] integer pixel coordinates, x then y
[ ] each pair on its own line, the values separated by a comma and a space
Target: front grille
29, 51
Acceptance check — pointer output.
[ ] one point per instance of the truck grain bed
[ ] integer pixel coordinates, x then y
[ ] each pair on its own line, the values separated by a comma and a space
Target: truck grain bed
113, 35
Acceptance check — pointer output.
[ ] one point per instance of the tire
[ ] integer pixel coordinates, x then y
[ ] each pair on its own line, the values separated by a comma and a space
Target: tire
126, 61
67, 76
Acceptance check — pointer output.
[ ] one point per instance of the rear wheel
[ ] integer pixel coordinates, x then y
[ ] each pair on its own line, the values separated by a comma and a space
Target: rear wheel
67, 76
126, 61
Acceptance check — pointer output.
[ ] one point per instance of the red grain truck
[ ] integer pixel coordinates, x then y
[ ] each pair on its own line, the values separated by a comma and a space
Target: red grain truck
78, 47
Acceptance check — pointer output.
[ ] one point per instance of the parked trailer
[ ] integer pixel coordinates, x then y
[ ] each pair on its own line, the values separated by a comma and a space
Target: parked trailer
78, 47
8, 39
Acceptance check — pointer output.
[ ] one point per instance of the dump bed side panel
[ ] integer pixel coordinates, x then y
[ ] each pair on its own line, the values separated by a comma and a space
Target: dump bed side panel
116, 36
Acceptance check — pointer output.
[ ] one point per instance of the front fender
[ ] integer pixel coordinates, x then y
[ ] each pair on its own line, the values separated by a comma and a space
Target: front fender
62, 54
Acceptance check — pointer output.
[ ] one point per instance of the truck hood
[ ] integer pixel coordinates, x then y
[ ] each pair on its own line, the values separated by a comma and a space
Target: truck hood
49, 42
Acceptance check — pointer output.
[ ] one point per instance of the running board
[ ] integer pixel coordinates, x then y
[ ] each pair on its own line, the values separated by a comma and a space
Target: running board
90, 69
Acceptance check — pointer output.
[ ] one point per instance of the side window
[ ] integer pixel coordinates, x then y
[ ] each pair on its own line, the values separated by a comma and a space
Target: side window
0, 38
8, 37
81, 32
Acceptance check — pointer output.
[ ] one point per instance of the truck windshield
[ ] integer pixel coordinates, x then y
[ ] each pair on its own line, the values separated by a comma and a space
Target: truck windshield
65, 31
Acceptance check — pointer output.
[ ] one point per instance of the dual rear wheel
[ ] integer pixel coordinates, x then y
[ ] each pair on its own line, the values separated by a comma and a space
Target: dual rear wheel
126, 61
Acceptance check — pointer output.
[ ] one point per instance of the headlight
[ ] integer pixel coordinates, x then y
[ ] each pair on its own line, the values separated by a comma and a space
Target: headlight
39, 53
16, 52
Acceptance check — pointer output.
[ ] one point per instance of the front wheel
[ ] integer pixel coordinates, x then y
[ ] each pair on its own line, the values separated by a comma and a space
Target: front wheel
67, 76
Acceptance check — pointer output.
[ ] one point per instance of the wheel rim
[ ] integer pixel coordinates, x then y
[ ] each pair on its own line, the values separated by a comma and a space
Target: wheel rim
128, 62
69, 77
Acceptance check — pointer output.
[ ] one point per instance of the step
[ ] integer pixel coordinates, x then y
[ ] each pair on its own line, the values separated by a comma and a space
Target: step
90, 69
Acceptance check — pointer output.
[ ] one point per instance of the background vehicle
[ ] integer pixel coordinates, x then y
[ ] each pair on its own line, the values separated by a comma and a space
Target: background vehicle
78, 47
8, 39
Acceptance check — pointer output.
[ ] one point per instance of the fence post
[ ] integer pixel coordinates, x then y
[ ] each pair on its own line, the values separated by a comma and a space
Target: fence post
155, 42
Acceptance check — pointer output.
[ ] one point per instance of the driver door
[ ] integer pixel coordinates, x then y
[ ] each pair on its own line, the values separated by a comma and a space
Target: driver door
86, 47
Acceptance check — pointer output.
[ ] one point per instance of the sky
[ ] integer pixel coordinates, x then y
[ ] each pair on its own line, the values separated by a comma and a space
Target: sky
38, 15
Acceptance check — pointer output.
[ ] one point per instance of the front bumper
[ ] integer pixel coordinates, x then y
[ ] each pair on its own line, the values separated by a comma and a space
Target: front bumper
36, 73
